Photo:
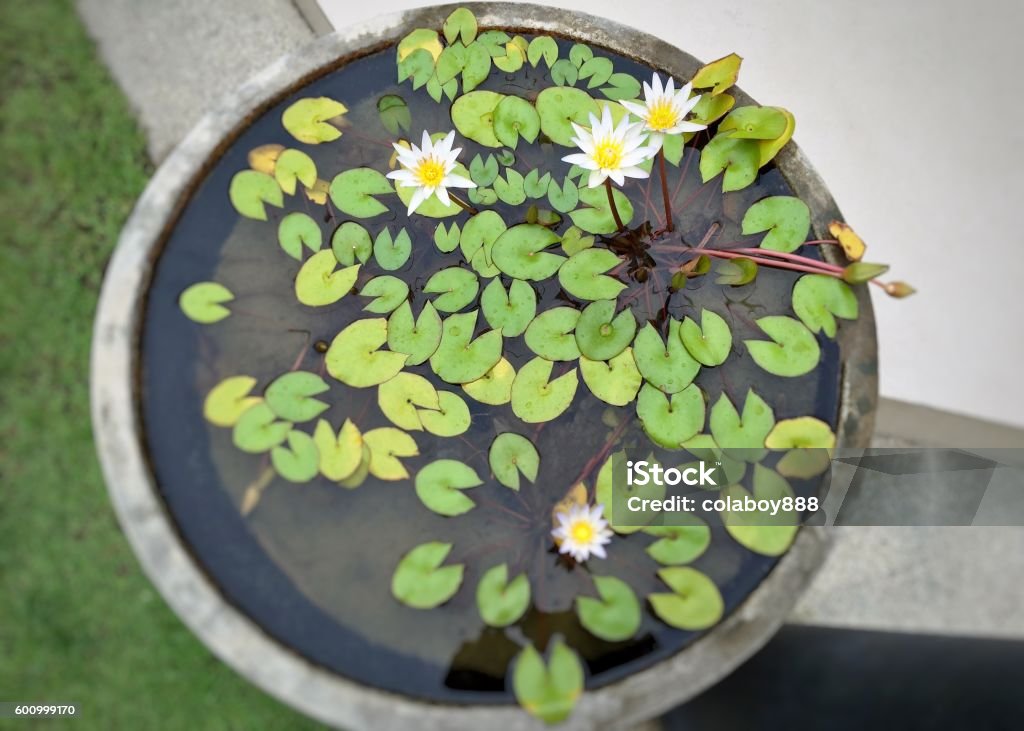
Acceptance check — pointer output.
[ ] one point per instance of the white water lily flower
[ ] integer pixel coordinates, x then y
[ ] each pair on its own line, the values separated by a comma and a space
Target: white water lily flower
428, 168
610, 151
664, 110
582, 531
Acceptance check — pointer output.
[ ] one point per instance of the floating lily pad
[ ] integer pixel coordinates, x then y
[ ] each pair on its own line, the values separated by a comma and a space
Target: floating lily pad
560, 106
739, 159
251, 190
596, 216
421, 582
392, 253
718, 75
512, 188
400, 397
535, 398
203, 302
476, 67
355, 358
257, 429
340, 455
615, 616
294, 166
394, 114
786, 219
666, 364
551, 334
473, 116
386, 445
623, 86
542, 47
514, 118
297, 230
804, 432
563, 198
710, 342
351, 242
318, 284
228, 400
460, 24
742, 437
495, 386
483, 171
564, 73
511, 454
670, 421
417, 338
502, 602
456, 287
598, 70
768, 149
362, 471
762, 533
519, 252
573, 241
679, 544
299, 461
354, 191
447, 239
535, 184
306, 119
818, 300
509, 311
388, 293
480, 233
695, 602
793, 352
461, 359
584, 276
291, 396
601, 334
616, 381
548, 693
450, 63
451, 418
420, 39
754, 123
439, 486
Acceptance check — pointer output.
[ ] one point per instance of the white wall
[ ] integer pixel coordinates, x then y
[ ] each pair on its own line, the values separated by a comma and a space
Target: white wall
913, 113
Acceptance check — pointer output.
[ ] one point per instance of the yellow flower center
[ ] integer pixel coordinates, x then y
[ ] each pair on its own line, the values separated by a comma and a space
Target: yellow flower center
582, 531
608, 154
662, 115
430, 172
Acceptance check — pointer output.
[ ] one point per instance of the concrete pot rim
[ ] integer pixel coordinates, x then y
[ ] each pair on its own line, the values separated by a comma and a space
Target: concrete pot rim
226, 631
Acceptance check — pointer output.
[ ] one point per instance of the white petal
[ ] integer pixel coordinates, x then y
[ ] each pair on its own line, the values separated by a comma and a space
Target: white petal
418, 197
634, 172
656, 86
442, 195
596, 178
598, 550
457, 181
635, 109
616, 176
578, 158
670, 87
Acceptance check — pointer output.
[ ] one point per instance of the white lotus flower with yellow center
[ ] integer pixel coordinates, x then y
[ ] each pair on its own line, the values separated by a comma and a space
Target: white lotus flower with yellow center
582, 532
428, 168
664, 110
609, 150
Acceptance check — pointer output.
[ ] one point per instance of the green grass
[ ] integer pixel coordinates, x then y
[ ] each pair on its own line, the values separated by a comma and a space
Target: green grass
78, 621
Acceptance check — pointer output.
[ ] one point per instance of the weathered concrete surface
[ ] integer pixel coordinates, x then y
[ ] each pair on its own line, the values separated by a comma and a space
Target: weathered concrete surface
176, 59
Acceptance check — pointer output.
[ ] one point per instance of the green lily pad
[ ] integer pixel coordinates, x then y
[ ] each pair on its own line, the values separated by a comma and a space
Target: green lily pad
535, 184
768, 149
712, 108
297, 230
439, 486
718, 75
417, 338
754, 123
519, 252
502, 602
615, 616
354, 191
694, 603
616, 501
739, 159
228, 400
451, 418
551, 334
400, 397
494, 41
596, 216
512, 188
804, 432
598, 70
535, 398
665, 364
514, 118
563, 198
251, 190
450, 63
623, 86
292, 167
793, 351
670, 421
787, 220
461, 23
362, 471
456, 286
679, 544
742, 437
564, 73
573, 241
580, 53
355, 358
291, 396
202, 302
447, 240
480, 233
511, 454
509, 311
601, 334
257, 430
340, 455
542, 47
558, 107
394, 114
710, 342
476, 67
388, 293
392, 253
473, 116
299, 461
461, 359
616, 381
419, 66
762, 533
351, 242
583, 275
386, 445
495, 386
548, 693
483, 171
306, 119
421, 582
736, 272
818, 300
318, 284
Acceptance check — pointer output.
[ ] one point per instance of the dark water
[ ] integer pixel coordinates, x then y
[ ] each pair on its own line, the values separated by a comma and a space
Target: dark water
312, 564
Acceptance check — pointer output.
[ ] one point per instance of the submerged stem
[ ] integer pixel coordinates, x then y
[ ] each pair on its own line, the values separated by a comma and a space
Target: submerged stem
611, 204
666, 199
462, 204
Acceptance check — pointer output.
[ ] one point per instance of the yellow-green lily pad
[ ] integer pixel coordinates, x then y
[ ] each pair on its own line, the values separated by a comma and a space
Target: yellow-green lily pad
459, 358
551, 334
421, 582
694, 603
473, 116
509, 311
296, 230
439, 486
762, 533
451, 417
250, 191
742, 437
228, 400
595, 216
353, 192
535, 398
456, 287
665, 364
386, 445
351, 242
558, 107
787, 220
601, 334
392, 253
583, 275
793, 350
461, 23
679, 544
417, 338
291, 396
203, 302
818, 300
511, 454
318, 283
515, 117
718, 75
362, 471
671, 421
615, 616
306, 119
400, 397
616, 381
340, 455
293, 167
616, 501
548, 692
495, 386
502, 602
355, 358
710, 342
